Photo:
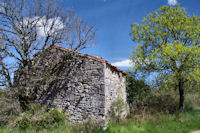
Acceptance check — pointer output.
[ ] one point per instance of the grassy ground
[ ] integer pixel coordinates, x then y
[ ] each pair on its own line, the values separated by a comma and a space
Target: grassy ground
184, 122
177, 123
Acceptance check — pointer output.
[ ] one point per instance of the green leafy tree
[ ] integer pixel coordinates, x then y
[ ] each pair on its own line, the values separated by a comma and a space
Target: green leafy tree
168, 44
136, 89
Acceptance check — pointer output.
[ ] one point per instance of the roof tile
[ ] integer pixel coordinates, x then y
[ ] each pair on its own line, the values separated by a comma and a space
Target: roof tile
92, 57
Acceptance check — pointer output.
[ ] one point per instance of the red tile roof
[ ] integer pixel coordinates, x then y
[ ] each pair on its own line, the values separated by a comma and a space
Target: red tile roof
93, 58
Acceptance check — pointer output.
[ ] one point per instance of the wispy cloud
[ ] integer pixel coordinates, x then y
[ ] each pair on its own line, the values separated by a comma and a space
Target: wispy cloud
2, 6
123, 63
172, 2
45, 26
129, 63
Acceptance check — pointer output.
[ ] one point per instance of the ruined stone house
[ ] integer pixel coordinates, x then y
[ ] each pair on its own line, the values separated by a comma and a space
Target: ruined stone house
83, 85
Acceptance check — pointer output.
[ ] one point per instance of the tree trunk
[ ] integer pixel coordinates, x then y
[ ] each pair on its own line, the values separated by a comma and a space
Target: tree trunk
181, 95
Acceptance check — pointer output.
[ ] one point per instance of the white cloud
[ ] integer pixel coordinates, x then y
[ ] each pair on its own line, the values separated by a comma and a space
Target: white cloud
2, 6
129, 63
123, 63
43, 25
172, 2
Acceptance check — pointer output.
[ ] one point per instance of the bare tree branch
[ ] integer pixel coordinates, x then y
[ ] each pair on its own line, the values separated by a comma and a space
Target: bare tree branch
27, 27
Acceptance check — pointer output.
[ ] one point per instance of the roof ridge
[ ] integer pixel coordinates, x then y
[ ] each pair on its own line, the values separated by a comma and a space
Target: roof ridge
90, 57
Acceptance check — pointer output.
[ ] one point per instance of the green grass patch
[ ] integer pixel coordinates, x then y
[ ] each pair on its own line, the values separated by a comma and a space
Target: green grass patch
177, 123
184, 122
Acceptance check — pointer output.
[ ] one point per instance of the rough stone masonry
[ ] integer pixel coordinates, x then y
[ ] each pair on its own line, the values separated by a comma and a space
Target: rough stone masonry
83, 85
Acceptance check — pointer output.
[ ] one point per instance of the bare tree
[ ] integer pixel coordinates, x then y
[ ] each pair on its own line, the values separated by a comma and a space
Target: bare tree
5, 79
27, 27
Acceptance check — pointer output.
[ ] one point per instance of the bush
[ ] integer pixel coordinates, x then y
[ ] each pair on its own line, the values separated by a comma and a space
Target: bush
117, 110
9, 107
56, 115
137, 90
161, 102
192, 101
41, 117
24, 123
156, 102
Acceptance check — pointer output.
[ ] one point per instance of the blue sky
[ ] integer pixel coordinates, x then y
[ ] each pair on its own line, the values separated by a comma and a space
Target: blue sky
113, 19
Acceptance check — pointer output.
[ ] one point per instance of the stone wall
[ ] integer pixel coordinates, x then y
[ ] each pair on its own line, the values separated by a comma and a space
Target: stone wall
82, 86
115, 87
73, 84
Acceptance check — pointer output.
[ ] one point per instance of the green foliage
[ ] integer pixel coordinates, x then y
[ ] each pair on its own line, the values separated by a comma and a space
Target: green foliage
118, 107
2, 92
136, 89
88, 127
161, 102
154, 102
62, 127
181, 123
41, 117
169, 45
125, 127
192, 101
24, 123
9, 108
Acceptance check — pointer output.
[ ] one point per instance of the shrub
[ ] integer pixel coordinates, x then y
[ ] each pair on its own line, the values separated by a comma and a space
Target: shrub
192, 101
24, 123
54, 116
9, 107
161, 102
156, 102
137, 91
41, 117
117, 110
166, 101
